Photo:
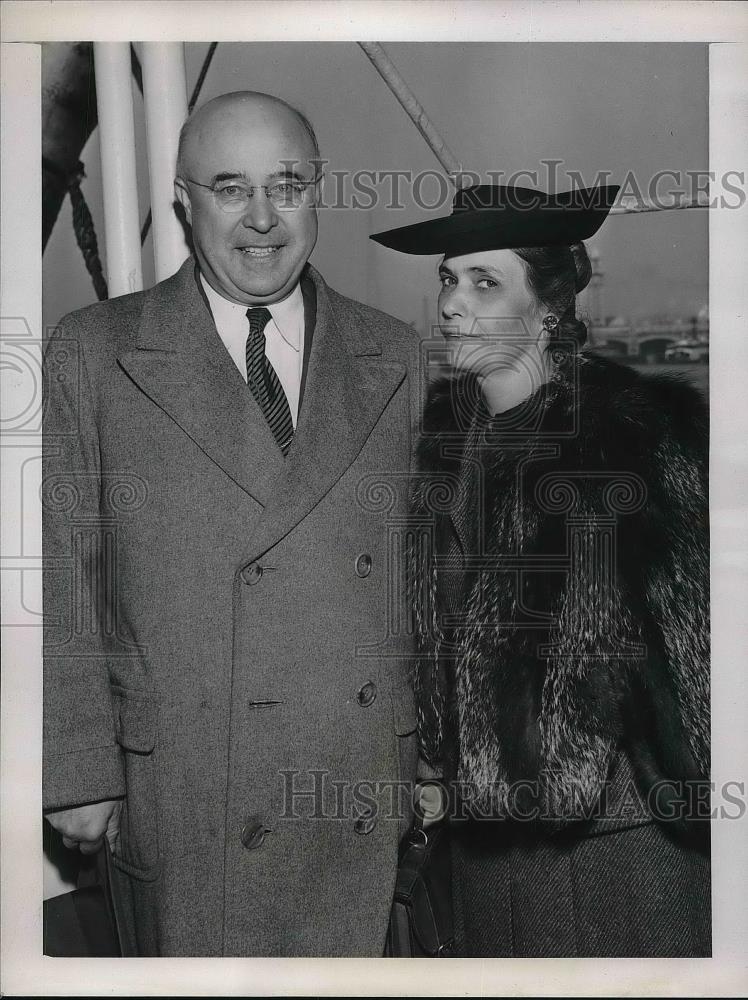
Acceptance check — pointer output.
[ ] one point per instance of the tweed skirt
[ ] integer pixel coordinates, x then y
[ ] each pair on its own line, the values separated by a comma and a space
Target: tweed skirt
629, 892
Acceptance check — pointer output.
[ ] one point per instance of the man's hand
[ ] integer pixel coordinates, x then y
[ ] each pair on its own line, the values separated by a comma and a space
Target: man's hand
85, 826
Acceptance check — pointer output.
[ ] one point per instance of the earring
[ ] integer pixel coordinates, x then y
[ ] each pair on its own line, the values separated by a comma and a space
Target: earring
550, 323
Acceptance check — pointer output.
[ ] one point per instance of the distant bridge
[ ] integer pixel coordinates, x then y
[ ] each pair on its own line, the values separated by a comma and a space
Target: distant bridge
646, 339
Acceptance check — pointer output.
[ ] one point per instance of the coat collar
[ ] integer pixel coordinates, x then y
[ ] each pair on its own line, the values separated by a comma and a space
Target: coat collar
181, 364
459, 442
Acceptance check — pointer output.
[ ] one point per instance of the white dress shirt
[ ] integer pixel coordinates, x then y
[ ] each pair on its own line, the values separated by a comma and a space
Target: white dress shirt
284, 338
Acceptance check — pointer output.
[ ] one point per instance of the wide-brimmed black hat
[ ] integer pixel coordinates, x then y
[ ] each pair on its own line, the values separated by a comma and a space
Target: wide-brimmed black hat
499, 217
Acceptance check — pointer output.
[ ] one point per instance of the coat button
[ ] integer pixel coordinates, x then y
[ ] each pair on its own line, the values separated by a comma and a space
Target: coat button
367, 694
363, 564
365, 824
253, 833
251, 574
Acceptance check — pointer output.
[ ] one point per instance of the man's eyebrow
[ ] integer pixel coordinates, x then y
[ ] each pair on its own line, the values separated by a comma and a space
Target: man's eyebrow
286, 174
443, 269
233, 175
228, 175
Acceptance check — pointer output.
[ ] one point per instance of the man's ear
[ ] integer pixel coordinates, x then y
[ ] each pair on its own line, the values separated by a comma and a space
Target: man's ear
319, 189
182, 194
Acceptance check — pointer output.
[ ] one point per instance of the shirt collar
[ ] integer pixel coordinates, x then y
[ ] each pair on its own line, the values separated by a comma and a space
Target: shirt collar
288, 314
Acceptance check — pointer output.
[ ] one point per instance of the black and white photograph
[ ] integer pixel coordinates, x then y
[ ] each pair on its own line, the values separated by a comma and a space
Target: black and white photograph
374, 559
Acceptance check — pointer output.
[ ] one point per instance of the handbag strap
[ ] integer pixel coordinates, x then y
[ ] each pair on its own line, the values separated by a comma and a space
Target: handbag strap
423, 894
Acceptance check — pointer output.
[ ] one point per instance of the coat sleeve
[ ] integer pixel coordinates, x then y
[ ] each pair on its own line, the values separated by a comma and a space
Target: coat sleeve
81, 758
637, 604
676, 589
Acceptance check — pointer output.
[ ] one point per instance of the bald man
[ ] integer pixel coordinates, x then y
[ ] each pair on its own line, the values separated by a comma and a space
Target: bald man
226, 696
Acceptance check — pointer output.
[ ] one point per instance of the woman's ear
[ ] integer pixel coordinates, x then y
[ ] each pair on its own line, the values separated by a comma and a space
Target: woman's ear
550, 323
547, 326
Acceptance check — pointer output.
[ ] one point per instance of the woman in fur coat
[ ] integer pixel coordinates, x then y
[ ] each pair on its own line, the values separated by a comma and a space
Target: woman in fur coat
561, 599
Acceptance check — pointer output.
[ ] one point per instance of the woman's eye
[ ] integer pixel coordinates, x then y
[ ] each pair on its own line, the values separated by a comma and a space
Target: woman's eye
486, 283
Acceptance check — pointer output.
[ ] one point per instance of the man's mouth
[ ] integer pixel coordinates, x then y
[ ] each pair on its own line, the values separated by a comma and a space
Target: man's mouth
257, 251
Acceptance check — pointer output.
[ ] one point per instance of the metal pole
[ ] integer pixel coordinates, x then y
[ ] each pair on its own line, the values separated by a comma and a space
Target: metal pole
389, 73
119, 178
165, 96
629, 206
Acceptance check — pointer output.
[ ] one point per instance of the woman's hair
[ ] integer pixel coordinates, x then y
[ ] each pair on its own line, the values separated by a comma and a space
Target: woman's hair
555, 275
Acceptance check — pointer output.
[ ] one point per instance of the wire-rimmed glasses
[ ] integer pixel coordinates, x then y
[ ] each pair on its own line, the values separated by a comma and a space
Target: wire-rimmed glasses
234, 195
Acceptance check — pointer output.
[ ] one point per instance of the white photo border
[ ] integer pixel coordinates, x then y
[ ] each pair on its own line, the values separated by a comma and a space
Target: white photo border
24, 25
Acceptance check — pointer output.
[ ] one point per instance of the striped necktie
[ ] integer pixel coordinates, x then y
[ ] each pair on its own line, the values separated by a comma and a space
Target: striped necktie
264, 383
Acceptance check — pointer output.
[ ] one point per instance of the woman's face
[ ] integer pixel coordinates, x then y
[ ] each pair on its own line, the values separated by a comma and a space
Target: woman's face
490, 315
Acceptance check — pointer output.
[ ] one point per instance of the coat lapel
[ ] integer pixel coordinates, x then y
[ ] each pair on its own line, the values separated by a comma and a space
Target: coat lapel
348, 385
182, 365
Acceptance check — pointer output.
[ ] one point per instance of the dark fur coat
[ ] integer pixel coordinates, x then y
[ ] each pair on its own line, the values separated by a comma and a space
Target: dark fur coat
573, 544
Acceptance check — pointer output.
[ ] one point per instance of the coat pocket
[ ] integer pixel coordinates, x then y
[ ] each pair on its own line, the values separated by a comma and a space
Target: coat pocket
136, 726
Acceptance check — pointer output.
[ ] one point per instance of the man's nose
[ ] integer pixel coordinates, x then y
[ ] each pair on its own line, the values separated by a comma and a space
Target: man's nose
260, 213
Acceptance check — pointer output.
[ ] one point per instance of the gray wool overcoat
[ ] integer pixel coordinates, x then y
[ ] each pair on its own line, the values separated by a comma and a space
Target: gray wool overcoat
224, 641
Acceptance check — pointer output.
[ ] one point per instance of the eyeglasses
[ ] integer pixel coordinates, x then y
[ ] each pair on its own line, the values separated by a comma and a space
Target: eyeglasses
234, 196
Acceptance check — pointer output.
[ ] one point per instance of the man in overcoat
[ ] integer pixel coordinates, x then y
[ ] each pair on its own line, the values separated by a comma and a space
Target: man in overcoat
226, 692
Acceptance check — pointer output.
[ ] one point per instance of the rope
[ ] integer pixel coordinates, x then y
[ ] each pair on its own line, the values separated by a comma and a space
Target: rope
389, 73
85, 233
136, 69
201, 78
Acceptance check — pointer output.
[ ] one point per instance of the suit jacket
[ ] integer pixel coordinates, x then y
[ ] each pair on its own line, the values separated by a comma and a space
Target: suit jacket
223, 640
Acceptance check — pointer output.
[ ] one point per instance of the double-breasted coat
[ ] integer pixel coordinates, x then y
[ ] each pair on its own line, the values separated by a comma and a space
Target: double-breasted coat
223, 644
